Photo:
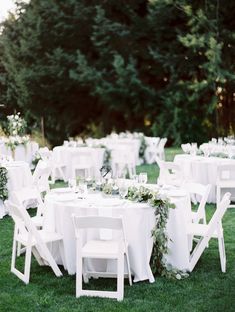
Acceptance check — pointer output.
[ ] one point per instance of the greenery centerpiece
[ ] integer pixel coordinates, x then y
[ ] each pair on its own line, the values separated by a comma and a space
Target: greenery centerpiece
161, 205
3, 184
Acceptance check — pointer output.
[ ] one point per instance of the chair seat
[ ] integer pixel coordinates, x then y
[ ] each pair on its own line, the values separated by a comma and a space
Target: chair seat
59, 165
226, 184
200, 230
46, 237
37, 220
81, 167
102, 249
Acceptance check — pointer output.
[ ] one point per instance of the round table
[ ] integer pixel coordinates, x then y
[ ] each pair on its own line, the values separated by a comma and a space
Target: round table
19, 177
202, 169
139, 220
22, 152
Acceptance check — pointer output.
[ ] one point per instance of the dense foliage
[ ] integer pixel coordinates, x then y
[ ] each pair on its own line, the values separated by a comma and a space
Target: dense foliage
161, 66
3, 184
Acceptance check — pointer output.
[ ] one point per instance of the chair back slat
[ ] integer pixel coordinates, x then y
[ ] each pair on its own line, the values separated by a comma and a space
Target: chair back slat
98, 222
226, 173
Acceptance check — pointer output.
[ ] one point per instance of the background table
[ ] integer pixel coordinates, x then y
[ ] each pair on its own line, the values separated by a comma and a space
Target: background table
22, 152
19, 177
202, 170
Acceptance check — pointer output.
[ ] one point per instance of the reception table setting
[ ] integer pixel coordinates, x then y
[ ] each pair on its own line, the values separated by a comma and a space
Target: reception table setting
201, 164
139, 219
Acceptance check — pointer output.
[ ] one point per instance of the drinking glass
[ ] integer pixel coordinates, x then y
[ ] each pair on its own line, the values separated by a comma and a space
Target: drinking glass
83, 190
143, 177
123, 190
135, 178
72, 184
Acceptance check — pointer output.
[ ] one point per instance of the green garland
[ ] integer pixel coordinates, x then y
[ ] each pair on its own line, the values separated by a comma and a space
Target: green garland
3, 184
160, 237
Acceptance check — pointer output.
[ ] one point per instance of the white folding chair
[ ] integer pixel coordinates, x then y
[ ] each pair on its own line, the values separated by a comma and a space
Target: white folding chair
123, 161
57, 167
151, 149
213, 229
170, 173
34, 240
186, 148
199, 190
18, 199
45, 153
225, 181
41, 176
81, 160
161, 148
101, 249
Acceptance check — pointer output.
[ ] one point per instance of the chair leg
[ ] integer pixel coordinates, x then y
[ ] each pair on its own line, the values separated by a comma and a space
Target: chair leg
218, 195
62, 173
27, 263
128, 267
79, 276
204, 218
13, 257
53, 176
120, 278
18, 249
222, 254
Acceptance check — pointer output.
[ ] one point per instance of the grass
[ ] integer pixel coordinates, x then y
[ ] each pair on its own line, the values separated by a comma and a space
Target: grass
206, 289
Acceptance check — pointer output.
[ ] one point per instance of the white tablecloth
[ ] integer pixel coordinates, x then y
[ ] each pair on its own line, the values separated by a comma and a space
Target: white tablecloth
21, 152
19, 176
139, 220
63, 155
202, 170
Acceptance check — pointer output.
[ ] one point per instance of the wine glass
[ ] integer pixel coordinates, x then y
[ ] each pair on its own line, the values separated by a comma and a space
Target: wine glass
135, 178
83, 190
72, 184
143, 177
123, 190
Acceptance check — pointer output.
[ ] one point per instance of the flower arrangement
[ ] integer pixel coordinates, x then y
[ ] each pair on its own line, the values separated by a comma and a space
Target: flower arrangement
16, 125
16, 130
13, 141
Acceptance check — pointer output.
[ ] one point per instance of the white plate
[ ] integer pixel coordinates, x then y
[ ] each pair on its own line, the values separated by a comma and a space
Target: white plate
62, 190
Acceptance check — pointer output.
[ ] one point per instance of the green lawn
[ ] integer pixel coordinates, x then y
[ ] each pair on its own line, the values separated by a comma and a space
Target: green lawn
206, 289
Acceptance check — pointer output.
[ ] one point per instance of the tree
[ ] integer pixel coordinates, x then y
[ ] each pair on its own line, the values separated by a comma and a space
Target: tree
160, 66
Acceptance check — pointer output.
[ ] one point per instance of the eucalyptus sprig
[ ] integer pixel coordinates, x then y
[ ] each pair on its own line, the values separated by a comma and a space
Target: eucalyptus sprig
3, 184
